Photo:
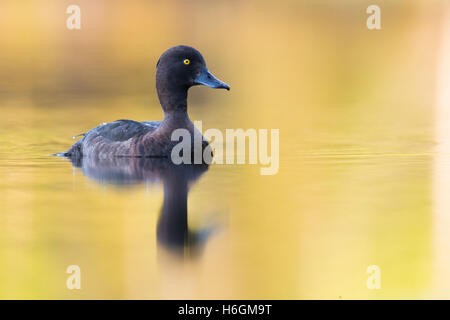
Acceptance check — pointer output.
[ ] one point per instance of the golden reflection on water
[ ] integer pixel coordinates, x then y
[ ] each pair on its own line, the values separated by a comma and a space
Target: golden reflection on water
355, 187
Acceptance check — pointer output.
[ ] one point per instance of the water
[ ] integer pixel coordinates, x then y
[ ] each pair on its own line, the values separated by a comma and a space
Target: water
148, 230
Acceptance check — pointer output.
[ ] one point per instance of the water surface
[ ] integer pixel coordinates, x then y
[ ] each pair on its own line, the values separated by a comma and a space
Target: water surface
364, 162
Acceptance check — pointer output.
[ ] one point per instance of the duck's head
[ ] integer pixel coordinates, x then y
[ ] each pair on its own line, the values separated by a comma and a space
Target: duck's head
180, 68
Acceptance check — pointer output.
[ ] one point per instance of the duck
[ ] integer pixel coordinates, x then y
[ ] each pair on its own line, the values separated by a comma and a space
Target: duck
178, 69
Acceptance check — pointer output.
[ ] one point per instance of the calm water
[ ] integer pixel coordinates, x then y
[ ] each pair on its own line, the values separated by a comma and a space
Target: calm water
340, 203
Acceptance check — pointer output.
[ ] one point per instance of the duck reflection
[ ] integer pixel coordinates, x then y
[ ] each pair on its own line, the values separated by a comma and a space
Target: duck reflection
172, 229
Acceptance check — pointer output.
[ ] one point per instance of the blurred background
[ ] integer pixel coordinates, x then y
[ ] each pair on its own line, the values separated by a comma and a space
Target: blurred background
364, 157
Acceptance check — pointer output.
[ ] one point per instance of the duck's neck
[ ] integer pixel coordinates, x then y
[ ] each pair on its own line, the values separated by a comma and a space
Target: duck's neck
173, 99
176, 119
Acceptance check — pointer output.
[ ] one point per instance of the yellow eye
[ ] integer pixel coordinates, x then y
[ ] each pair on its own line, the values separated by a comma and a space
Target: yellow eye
186, 61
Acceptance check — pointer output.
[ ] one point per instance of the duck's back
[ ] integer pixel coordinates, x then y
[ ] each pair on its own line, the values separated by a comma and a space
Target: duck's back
118, 138
122, 130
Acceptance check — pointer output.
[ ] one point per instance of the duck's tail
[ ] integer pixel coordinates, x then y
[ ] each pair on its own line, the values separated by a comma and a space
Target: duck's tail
73, 152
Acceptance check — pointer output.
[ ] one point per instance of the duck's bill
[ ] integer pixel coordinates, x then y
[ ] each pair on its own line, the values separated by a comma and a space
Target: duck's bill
207, 79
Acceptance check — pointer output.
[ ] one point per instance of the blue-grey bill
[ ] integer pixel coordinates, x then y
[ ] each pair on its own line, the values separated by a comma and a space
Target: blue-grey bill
206, 78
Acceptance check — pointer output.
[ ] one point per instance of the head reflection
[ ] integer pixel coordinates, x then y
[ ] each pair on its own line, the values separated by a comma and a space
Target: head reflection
172, 229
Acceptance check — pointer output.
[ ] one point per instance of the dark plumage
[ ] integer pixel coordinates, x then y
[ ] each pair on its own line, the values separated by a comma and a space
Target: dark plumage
178, 69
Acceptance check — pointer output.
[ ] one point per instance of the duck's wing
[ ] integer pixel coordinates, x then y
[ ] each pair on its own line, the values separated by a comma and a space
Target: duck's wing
122, 130
153, 124
108, 133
